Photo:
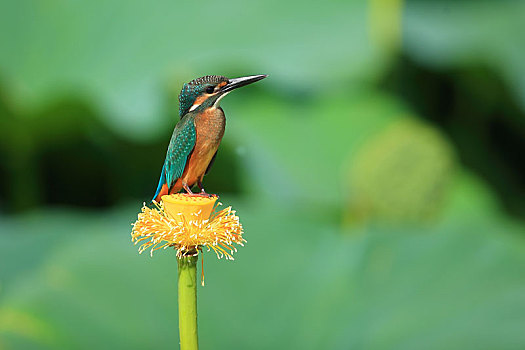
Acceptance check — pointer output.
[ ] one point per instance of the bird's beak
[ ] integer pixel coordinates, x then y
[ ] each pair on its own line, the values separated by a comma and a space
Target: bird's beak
238, 82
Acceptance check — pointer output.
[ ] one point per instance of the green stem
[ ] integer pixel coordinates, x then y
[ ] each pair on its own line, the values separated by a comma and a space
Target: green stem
188, 302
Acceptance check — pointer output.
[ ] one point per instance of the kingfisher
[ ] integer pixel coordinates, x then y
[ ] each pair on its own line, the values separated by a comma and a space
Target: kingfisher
197, 135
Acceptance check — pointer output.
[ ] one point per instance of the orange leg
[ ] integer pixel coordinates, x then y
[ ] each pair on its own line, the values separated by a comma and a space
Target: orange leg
188, 190
203, 193
199, 183
185, 186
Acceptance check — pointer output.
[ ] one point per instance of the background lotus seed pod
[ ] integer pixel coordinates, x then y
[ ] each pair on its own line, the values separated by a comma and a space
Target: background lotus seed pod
401, 174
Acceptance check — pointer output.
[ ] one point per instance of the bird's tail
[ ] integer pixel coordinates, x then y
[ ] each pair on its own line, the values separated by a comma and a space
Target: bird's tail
162, 188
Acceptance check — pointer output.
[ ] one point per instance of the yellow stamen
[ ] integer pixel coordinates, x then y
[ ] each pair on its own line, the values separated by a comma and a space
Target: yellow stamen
188, 223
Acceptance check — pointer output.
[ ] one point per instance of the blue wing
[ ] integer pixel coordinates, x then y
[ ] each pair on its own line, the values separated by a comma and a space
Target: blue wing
181, 145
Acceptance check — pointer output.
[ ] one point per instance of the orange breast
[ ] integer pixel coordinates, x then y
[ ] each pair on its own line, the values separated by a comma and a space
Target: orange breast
210, 130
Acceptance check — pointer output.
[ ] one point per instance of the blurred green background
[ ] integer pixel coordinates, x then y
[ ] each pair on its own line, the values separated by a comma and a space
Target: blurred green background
378, 172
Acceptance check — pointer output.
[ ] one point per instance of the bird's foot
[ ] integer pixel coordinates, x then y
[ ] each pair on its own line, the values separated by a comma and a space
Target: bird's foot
201, 194
205, 195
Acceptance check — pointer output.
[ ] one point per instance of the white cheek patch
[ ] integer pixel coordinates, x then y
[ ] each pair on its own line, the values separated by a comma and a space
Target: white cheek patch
194, 107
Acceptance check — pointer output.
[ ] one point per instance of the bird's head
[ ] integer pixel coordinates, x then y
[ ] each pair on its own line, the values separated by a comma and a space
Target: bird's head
207, 91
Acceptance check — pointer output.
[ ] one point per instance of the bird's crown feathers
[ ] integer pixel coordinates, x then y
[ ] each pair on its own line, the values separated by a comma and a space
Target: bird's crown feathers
194, 88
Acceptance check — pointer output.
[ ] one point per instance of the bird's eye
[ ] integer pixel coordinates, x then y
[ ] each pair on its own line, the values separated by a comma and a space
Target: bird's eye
209, 90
